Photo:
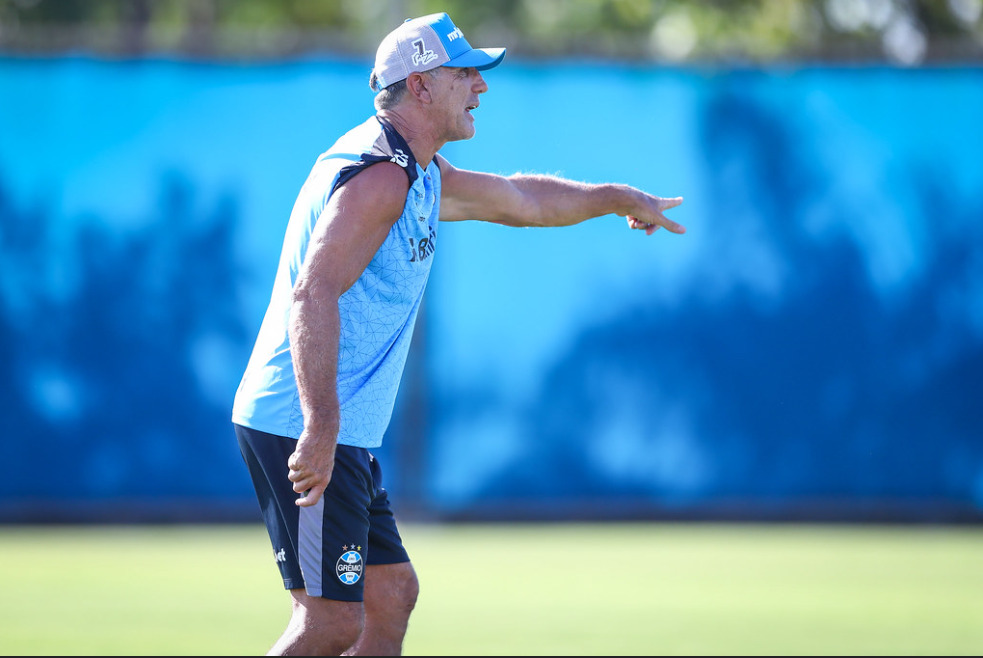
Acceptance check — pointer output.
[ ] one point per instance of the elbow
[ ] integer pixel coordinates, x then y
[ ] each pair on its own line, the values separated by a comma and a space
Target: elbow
301, 295
301, 299
316, 290
309, 300
298, 315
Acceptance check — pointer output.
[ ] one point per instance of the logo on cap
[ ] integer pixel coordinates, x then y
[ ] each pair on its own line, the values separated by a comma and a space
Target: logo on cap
422, 56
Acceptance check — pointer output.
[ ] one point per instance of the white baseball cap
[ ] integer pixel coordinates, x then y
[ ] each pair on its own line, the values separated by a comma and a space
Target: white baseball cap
424, 43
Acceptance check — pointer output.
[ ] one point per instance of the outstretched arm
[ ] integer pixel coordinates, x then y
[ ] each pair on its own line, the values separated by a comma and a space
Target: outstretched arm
538, 200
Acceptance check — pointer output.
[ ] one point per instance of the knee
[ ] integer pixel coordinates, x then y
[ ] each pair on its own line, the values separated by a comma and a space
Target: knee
409, 590
393, 587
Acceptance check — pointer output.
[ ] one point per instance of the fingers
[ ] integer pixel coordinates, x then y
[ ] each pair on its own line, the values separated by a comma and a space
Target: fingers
293, 463
306, 481
650, 228
665, 221
309, 467
302, 484
311, 497
298, 474
308, 485
671, 203
636, 223
672, 226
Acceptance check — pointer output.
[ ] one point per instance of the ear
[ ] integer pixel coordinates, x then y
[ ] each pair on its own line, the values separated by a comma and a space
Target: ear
420, 86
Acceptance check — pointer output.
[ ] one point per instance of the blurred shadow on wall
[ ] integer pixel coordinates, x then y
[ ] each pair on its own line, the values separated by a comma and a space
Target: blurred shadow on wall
820, 401
110, 341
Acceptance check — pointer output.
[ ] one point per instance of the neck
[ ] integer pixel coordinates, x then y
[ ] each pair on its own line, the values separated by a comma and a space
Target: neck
422, 142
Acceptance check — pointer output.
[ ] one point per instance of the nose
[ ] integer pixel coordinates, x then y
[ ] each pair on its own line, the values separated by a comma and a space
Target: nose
479, 86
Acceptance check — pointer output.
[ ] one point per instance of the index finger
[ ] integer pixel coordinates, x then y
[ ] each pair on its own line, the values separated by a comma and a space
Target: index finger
671, 225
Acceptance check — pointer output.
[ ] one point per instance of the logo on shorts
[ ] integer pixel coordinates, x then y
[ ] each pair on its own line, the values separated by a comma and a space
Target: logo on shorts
349, 567
280, 555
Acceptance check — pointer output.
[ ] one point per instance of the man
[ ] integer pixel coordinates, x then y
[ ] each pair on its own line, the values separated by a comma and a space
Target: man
320, 386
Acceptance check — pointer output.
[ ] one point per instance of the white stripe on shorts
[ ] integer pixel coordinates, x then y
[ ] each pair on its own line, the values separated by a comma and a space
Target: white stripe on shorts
311, 547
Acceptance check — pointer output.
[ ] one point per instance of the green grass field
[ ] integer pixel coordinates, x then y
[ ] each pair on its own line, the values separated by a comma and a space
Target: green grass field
619, 589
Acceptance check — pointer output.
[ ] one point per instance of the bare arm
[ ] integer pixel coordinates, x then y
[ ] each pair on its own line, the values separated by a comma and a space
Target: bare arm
537, 200
347, 235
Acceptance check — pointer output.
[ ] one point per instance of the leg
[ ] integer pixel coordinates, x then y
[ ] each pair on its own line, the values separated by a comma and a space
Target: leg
317, 549
319, 627
390, 595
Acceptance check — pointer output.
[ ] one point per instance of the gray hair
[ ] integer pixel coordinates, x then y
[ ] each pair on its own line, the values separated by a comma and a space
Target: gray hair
389, 97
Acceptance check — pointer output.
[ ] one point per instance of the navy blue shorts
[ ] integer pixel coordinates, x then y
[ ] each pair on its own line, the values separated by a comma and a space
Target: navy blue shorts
323, 548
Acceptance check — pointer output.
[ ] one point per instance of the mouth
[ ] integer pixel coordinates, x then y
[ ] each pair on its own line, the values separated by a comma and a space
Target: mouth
471, 108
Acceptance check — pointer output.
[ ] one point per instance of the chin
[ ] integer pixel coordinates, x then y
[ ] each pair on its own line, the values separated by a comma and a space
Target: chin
463, 135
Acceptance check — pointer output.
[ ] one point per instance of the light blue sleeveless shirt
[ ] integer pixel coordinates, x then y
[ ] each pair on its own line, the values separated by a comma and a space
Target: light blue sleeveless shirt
378, 312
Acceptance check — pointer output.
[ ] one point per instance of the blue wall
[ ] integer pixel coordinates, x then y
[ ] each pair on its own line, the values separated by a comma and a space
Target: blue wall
812, 347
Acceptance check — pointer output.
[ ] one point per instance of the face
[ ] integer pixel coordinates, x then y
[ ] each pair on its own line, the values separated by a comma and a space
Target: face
455, 95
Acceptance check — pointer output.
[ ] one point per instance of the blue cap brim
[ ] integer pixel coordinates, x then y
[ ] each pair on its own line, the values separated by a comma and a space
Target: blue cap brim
479, 58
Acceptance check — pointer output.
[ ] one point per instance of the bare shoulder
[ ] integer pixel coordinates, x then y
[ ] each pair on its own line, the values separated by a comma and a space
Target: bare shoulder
364, 206
351, 228
382, 186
